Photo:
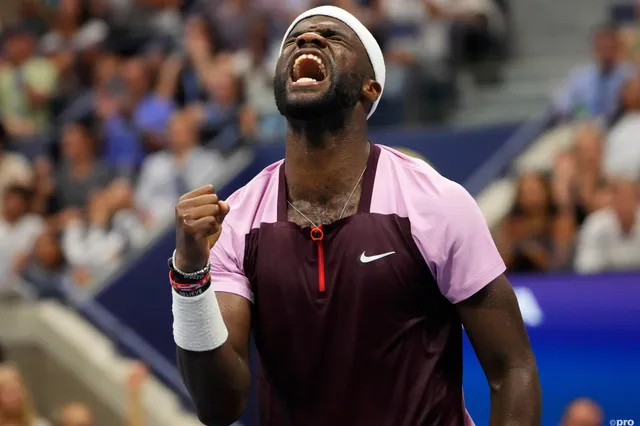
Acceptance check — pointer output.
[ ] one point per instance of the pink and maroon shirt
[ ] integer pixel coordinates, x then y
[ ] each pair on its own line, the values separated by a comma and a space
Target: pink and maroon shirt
374, 339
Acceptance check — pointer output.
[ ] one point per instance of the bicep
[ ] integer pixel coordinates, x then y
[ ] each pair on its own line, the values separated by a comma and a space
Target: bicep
494, 325
236, 312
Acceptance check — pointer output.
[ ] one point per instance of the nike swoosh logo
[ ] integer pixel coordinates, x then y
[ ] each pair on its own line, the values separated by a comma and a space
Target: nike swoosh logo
368, 259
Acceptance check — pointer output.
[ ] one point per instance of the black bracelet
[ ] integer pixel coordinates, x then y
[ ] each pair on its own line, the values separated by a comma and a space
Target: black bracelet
192, 293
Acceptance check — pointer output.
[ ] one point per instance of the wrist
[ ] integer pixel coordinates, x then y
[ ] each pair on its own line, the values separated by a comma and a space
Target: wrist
189, 264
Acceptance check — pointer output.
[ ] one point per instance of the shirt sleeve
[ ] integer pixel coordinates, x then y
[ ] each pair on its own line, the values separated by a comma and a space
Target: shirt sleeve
468, 258
227, 271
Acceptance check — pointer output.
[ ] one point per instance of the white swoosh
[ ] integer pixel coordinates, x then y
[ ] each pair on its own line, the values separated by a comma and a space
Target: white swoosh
368, 259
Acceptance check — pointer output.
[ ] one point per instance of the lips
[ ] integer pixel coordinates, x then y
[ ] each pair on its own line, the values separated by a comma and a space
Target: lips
308, 69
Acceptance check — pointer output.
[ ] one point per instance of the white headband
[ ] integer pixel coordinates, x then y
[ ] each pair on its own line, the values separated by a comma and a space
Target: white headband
369, 42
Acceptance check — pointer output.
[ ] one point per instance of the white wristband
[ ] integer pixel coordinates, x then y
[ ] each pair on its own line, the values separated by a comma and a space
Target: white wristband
197, 322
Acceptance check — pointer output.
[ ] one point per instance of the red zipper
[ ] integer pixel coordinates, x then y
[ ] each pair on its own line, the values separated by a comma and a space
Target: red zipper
317, 235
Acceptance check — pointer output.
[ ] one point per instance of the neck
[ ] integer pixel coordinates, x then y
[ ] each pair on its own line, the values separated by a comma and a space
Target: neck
81, 166
322, 162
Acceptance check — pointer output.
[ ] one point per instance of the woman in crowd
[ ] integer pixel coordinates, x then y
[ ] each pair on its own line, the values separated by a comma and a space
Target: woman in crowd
534, 228
15, 402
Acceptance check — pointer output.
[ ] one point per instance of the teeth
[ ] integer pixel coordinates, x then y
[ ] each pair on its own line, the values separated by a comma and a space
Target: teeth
306, 80
299, 59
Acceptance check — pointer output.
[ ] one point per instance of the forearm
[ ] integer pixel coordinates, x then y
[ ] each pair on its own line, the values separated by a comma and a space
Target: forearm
218, 382
215, 374
516, 397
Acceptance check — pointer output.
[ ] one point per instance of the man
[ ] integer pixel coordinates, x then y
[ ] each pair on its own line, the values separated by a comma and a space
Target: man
356, 267
593, 90
610, 237
582, 412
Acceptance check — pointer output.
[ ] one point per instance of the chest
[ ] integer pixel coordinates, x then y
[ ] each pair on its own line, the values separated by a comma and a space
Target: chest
366, 266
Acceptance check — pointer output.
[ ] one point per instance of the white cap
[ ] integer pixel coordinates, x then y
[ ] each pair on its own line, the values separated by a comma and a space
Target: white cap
369, 42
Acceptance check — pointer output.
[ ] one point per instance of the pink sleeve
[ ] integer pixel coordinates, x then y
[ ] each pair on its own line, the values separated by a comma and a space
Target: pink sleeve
227, 272
468, 258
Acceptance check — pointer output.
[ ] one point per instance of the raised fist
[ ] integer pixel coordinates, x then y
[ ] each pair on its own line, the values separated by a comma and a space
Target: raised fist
199, 216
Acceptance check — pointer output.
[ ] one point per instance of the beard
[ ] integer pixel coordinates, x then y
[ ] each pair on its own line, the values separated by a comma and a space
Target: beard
342, 95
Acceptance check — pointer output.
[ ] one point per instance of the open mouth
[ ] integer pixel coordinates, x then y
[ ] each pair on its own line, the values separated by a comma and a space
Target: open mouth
308, 69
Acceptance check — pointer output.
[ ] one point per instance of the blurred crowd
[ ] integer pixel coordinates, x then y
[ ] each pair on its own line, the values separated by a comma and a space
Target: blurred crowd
583, 211
17, 406
110, 109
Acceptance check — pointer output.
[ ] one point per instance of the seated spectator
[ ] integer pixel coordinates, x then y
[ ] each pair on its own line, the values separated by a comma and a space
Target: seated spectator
582, 412
593, 90
26, 86
46, 265
15, 402
610, 238
527, 240
109, 231
622, 153
74, 414
18, 230
80, 172
256, 65
166, 175
14, 168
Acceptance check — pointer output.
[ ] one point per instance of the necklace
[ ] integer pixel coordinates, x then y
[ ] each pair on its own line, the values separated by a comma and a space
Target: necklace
316, 230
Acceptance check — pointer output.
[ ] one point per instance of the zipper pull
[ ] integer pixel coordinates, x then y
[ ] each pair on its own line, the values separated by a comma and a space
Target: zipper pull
317, 235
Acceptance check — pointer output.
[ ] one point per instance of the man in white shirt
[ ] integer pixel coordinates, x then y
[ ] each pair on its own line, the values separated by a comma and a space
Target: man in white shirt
610, 237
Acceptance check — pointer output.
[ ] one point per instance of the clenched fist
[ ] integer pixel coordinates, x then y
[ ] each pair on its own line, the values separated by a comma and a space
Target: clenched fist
199, 216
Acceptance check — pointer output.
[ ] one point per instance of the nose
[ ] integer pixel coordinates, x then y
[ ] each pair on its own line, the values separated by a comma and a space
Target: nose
311, 39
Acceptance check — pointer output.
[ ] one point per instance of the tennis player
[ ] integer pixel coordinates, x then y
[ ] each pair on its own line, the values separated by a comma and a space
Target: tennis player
355, 267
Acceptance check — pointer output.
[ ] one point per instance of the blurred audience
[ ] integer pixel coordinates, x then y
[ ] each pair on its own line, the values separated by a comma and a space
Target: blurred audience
16, 407
531, 234
168, 174
622, 153
74, 414
610, 237
592, 91
583, 412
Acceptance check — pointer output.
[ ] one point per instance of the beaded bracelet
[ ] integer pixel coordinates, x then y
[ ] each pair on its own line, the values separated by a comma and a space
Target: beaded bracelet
198, 275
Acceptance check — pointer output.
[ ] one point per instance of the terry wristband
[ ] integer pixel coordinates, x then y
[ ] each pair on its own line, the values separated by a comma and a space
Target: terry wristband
197, 322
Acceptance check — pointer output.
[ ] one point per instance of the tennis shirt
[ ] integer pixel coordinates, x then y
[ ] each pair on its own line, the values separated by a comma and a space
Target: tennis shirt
359, 328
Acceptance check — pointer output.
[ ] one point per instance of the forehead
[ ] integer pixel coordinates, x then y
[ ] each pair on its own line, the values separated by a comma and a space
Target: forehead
324, 23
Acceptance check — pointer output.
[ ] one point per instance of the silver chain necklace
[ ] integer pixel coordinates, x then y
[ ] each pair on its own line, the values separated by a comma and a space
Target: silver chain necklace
344, 209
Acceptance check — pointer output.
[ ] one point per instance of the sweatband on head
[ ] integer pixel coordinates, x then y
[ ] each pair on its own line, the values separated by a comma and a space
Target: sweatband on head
368, 41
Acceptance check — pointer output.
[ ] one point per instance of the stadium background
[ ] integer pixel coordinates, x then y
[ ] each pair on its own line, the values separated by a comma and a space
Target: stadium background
503, 95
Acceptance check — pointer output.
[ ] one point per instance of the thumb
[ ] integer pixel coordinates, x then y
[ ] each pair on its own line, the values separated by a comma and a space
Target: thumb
224, 210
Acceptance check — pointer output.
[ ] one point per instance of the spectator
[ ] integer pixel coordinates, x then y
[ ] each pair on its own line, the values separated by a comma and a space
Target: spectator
622, 154
591, 191
18, 230
26, 86
593, 90
256, 65
166, 175
610, 238
526, 239
111, 228
582, 412
132, 120
45, 266
15, 402
138, 376
74, 414
14, 168
80, 173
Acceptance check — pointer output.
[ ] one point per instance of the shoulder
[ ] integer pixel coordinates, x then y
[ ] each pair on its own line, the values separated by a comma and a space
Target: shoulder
256, 202
417, 183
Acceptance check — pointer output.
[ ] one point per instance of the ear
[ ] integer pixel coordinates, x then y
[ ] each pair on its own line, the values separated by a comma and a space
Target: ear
371, 92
